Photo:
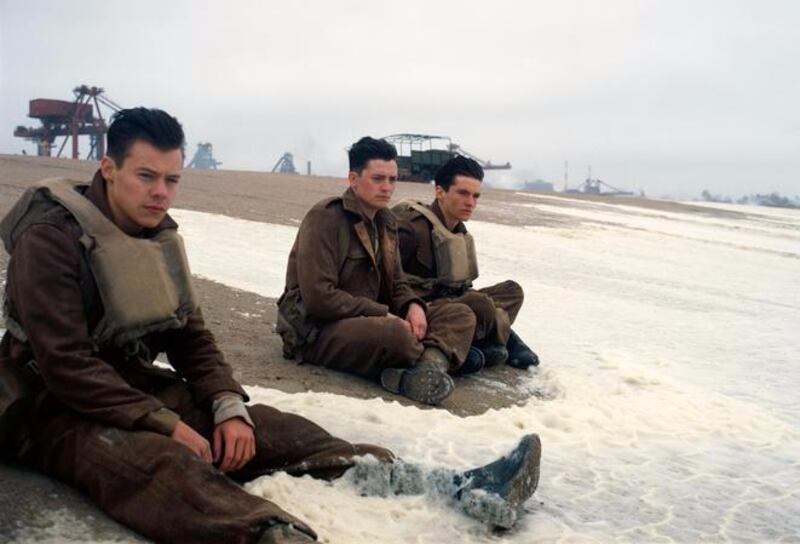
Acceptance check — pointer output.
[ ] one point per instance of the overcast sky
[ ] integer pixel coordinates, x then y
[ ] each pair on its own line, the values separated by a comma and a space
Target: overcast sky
667, 96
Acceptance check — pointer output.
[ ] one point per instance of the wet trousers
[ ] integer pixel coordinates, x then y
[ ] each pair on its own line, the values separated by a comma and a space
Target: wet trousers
160, 489
365, 346
495, 309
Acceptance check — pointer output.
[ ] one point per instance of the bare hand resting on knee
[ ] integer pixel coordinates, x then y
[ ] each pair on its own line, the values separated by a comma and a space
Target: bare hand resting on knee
192, 440
234, 444
416, 318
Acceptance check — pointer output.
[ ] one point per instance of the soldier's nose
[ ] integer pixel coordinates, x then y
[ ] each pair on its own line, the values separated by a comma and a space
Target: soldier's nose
159, 189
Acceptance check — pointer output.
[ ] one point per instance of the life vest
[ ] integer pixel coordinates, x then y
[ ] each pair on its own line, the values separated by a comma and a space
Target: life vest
454, 253
144, 283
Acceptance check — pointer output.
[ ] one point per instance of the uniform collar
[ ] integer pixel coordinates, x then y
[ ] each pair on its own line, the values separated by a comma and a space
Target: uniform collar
350, 204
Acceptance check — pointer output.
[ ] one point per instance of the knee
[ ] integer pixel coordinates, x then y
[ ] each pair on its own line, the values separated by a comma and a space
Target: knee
263, 415
459, 313
396, 337
482, 306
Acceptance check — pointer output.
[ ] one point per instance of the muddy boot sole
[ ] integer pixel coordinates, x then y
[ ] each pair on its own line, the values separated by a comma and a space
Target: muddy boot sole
425, 385
498, 490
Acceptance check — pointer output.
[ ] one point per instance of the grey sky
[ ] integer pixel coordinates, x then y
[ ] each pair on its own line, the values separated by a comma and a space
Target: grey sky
671, 96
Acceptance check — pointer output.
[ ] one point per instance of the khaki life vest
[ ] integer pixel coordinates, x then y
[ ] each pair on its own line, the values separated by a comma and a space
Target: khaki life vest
454, 253
144, 284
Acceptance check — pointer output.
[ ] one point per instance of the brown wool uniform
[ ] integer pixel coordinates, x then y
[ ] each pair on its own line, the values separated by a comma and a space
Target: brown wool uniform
349, 275
102, 420
495, 308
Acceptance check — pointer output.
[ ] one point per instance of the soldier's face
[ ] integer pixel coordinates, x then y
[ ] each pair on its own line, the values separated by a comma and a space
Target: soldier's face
375, 184
142, 189
458, 202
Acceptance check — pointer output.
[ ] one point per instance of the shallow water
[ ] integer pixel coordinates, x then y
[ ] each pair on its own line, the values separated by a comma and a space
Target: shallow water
669, 342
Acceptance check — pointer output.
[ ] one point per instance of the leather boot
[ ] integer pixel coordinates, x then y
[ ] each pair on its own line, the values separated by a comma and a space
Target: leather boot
495, 493
493, 354
474, 362
519, 354
427, 382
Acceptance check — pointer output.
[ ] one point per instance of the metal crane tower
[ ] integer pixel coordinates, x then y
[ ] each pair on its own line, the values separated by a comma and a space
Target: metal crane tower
285, 165
204, 158
82, 116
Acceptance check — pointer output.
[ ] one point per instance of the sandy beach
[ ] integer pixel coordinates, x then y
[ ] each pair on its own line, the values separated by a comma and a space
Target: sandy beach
635, 312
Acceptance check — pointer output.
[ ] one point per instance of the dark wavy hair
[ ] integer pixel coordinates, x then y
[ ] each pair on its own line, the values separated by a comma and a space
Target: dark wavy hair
368, 148
457, 166
154, 126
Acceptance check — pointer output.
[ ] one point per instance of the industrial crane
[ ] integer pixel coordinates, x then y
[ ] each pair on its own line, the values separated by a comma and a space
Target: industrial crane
82, 116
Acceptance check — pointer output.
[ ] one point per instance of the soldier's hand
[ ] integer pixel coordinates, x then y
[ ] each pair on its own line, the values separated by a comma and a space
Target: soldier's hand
192, 440
416, 318
403, 321
234, 444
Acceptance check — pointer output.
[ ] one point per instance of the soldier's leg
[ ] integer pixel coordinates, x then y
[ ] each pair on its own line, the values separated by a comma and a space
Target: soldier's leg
364, 346
492, 322
451, 326
507, 295
153, 484
285, 442
293, 444
384, 348
493, 493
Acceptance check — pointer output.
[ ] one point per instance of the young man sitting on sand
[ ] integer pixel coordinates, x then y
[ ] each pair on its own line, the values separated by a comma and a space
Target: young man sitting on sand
440, 262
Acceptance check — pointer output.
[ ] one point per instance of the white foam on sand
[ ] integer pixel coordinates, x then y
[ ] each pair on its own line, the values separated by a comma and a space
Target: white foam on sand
671, 340
247, 255
789, 214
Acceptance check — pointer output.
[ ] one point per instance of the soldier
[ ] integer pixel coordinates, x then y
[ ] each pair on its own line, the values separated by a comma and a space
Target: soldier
97, 286
440, 262
353, 310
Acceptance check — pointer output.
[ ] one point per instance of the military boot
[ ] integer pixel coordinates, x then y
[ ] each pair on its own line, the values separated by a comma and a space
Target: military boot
495, 493
427, 382
492, 494
474, 362
493, 354
519, 354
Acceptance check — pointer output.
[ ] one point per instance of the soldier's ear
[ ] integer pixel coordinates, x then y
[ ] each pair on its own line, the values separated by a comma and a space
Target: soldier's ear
352, 177
107, 168
439, 192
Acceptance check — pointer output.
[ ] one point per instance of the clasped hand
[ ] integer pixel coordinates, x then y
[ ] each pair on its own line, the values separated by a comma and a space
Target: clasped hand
415, 320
